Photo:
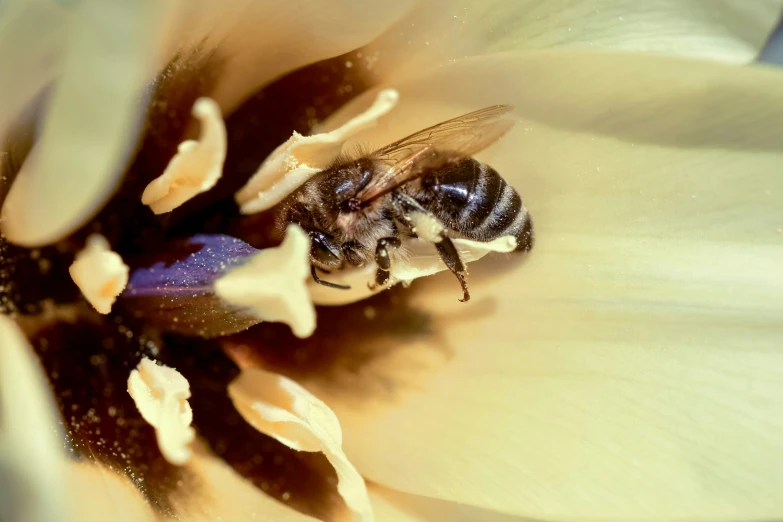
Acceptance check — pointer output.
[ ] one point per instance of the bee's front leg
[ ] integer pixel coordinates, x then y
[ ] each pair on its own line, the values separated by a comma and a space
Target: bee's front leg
383, 259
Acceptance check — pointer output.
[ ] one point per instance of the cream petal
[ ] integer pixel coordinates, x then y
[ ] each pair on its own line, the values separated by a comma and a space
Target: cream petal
32, 474
442, 31
394, 506
88, 131
32, 38
98, 494
279, 407
630, 366
217, 493
259, 41
224, 495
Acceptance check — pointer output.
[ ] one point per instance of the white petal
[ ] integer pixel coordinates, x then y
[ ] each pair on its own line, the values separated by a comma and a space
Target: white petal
272, 284
630, 366
282, 409
259, 41
98, 494
88, 133
32, 471
299, 158
161, 395
394, 506
90, 120
196, 167
441, 31
100, 273
224, 495
216, 492
32, 37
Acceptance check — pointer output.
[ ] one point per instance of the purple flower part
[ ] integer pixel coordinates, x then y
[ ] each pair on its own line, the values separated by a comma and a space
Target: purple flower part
175, 290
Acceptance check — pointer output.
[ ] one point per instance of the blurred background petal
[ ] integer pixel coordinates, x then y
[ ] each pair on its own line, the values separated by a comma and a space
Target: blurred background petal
442, 31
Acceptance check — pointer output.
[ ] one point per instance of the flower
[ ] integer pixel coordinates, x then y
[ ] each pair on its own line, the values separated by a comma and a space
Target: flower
627, 369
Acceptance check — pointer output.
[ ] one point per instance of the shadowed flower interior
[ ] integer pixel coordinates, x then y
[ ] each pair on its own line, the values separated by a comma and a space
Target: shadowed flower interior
629, 367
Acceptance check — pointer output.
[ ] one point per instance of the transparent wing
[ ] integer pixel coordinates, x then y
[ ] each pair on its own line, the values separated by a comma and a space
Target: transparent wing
418, 153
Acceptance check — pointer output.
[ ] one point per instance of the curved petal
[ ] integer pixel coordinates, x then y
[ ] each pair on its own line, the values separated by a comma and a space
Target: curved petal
259, 41
224, 495
89, 131
218, 493
630, 367
394, 506
29, 440
445, 30
90, 122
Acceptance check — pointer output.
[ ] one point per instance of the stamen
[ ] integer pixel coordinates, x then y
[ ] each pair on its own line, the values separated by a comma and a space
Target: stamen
196, 167
273, 284
99, 273
161, 394
284, 410
299, 158
216, 285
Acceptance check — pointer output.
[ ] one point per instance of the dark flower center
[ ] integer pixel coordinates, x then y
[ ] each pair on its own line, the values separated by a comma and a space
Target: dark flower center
88, 357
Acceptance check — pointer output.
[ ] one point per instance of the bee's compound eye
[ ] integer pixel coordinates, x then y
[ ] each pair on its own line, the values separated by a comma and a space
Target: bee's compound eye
324, 251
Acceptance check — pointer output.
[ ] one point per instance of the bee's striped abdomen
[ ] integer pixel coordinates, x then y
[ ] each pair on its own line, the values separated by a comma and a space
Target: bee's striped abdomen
472, 199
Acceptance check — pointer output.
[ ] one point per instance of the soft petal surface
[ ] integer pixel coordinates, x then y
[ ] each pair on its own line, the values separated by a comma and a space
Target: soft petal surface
279, 407
216, 492
630, 367
88, 131
32, 471
224, 495
32, 35
446, 30
395, 506
258, 41
118, 47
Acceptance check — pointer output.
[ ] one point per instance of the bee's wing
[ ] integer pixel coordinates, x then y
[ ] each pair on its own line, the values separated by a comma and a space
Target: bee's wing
462, 136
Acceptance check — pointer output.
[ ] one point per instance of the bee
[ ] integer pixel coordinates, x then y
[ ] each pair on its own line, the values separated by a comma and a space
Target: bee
355, 211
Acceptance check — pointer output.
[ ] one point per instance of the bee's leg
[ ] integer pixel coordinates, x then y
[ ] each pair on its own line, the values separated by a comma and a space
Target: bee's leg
450, 256
383, 259
406, 208
326, 283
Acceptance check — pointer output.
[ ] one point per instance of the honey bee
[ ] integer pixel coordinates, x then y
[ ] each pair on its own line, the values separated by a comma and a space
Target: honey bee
355, 211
